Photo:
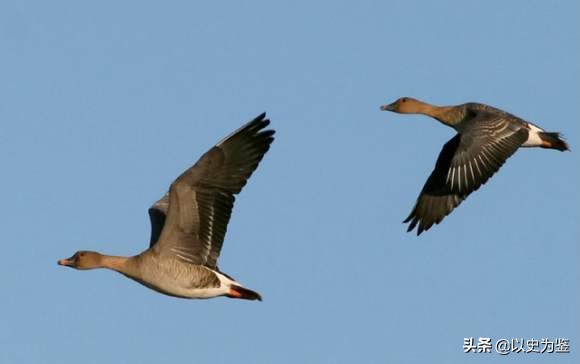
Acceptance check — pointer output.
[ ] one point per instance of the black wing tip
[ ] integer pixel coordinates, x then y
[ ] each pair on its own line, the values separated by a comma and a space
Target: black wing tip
257, 124
413, 224
420, 227
268, 133
415, 221
412, 219
423, 223
261, 119
251, 130
262, 116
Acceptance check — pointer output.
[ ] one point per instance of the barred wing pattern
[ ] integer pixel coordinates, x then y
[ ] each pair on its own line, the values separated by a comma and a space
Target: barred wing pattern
465, 163
195, 213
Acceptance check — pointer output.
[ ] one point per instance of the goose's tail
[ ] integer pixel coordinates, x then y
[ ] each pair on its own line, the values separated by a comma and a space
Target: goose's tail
243, 293
553, 141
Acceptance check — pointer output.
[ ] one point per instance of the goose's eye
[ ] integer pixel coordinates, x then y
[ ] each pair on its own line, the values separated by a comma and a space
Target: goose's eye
404, 99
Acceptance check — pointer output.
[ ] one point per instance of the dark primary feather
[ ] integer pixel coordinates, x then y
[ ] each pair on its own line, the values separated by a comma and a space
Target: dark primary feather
465, 163
195, 213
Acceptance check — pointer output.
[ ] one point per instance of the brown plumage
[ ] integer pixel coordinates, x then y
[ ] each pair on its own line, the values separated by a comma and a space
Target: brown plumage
486, 137
189, 223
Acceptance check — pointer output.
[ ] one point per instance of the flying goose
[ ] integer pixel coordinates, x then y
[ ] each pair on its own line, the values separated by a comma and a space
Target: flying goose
188, 223
486, 137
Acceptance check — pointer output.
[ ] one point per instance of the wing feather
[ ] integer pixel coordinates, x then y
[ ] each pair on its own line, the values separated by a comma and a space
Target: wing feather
200, 201
487, 143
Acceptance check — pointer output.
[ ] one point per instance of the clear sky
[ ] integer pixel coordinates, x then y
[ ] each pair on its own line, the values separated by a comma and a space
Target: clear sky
103, 104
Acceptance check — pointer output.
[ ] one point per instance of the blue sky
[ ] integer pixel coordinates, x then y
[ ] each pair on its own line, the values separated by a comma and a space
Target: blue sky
103, 104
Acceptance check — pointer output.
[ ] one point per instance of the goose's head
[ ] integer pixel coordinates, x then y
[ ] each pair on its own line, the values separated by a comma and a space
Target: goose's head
405, 105
83, 259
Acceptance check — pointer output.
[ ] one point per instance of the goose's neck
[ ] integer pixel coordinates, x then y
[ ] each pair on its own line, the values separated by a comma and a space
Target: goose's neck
124, 265
449, 115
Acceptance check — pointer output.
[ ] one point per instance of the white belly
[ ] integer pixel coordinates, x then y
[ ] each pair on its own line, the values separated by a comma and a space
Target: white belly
202, 292
178, 283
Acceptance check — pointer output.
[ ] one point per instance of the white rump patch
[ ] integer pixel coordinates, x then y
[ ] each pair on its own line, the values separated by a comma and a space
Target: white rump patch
534, 139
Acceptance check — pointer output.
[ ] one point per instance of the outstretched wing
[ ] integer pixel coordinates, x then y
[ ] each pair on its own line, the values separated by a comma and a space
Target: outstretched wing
194, 215
465, 163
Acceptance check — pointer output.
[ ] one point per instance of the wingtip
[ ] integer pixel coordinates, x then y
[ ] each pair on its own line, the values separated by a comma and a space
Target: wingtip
412, 220
262, 116
259, 122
